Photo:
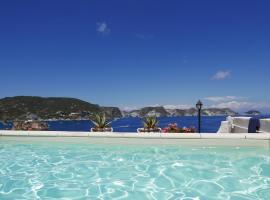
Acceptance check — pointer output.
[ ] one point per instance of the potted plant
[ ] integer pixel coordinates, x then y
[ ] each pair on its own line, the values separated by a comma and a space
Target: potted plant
101, 124
150, 124
173, 128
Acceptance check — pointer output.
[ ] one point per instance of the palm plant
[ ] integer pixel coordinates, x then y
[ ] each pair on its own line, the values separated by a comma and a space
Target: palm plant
100, 122
150, 124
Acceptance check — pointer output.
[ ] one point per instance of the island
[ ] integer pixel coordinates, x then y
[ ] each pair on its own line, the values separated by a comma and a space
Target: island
51, 108
20, 108
253, 112
160, 111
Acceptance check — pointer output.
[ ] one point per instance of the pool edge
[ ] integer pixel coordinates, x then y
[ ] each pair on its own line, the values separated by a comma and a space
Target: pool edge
190, 139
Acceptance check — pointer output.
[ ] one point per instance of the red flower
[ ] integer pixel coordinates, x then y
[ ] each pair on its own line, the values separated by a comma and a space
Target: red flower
172, 128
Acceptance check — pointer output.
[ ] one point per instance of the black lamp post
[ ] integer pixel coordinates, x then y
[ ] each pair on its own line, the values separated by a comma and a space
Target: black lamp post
199, 106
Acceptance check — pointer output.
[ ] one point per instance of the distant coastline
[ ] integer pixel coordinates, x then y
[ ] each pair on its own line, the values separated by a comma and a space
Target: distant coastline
60, 108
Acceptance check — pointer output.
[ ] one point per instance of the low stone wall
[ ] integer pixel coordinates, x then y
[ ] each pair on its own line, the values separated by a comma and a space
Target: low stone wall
265, 125
241, 124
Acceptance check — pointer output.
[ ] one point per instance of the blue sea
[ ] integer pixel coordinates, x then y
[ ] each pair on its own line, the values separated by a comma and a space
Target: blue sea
210, 124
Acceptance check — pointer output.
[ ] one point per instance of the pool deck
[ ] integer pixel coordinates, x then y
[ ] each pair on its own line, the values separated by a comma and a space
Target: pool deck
193, 139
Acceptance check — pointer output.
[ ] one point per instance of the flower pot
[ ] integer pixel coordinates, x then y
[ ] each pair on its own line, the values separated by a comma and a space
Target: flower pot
102, 129
151, 130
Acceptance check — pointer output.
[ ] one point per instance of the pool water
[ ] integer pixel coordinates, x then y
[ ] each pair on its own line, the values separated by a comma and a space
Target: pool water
86, 171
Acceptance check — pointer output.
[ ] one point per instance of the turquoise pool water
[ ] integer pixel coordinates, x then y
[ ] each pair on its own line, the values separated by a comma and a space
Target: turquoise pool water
84, 171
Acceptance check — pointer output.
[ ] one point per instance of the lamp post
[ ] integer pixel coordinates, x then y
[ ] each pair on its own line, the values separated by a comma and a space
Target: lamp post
199, 106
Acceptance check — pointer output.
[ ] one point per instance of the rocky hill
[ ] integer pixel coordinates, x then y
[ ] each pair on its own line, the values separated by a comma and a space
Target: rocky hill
218, 112
29, 107
53, 108
162, 112
253, 112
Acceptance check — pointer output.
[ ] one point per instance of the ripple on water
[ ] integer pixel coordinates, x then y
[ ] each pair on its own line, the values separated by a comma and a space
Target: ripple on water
50, 171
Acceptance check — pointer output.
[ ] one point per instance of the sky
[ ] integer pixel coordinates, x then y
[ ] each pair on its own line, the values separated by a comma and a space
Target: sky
132, 53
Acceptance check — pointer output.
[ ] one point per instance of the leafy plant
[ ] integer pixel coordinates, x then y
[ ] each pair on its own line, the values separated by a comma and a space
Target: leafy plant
100, 121
173, 128
150, 122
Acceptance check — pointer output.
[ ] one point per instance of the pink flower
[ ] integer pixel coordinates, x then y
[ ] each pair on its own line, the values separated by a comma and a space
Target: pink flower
165, 130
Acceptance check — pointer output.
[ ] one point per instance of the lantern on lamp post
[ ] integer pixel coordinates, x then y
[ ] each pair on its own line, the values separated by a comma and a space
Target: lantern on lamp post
199, 106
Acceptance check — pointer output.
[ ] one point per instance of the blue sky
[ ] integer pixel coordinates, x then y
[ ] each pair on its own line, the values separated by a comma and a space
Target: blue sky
133, 53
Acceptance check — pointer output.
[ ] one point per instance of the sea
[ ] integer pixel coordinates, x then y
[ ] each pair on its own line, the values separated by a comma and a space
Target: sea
209, 124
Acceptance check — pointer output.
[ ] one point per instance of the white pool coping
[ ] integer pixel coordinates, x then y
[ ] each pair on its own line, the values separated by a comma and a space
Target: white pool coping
194, 139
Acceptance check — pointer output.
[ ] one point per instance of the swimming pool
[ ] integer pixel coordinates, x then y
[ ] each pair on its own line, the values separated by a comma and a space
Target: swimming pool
42, 170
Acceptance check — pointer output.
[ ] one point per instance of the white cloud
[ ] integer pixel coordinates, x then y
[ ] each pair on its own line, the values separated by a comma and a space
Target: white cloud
221, 75
180, 106
244, 105
130, 108
233, 105
170, 106
102, 28
223, 98
238, 104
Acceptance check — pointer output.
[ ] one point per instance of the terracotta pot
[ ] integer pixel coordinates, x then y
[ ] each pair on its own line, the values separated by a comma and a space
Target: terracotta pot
144, 130
101, 129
